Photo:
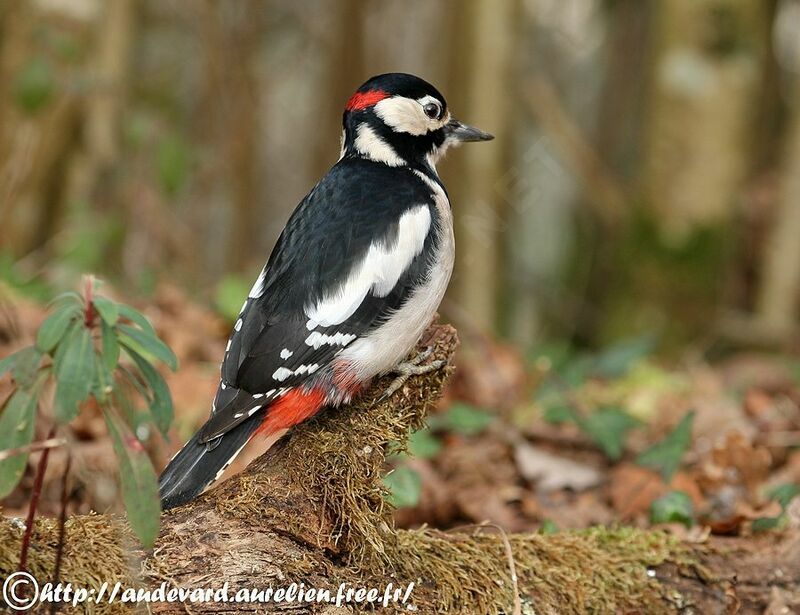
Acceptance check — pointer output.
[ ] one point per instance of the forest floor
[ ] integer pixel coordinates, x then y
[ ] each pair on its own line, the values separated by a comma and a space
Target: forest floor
546, 443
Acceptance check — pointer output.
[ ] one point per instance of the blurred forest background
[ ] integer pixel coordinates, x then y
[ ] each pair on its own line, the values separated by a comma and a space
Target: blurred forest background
644, 178
644, 186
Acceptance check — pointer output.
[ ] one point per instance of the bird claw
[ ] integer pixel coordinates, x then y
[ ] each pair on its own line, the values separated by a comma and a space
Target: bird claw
410, 368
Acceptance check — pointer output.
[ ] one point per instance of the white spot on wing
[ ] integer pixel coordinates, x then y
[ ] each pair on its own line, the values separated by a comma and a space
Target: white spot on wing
317, 339
378, 272
286, 353
282, 374
238, 325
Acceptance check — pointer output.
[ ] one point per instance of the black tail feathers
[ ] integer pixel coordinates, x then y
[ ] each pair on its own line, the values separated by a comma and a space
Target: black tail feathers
199, 464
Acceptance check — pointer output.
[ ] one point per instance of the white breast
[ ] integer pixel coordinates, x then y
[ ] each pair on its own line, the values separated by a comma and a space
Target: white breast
380, 351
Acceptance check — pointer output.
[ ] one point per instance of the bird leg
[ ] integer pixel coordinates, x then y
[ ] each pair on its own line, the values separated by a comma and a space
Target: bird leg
409, 368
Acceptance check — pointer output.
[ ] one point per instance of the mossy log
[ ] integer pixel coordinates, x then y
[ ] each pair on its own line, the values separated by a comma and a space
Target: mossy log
312, 510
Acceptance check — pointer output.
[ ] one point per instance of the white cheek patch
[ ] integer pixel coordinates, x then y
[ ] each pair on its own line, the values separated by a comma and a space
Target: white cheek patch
406, 115
369, 144
378, 272
403, 115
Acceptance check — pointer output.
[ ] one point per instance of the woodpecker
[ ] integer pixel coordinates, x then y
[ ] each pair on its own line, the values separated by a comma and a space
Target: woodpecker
352, 282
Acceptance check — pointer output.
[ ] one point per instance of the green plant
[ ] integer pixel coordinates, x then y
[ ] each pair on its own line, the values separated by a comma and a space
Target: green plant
80, 348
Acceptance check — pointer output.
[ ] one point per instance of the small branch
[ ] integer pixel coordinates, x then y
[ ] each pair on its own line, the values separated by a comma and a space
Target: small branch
32, 448
37, 491
62, 519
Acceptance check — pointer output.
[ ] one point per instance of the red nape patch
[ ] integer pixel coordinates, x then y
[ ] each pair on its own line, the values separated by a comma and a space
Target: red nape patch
293, 408
362, 100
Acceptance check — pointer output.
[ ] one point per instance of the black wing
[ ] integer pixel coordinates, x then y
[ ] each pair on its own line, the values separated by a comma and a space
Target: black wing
274, 347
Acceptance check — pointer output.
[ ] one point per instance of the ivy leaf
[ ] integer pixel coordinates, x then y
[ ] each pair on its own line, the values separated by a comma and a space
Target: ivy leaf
665, 456
147, 344
161, 401
74, 374
607, 427
16, 429
462, 418
26, 366
405, 487
673, 507
138, 479
619, 358
55, 327
424, 444
784, 494
108, 310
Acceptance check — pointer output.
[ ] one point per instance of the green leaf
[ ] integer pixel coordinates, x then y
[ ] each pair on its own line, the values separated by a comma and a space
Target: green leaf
34, 85
138, 479
161, 401
665, 456
108, 310
763, 524
172, 160
16, 429
126, 311
74, 374
9, 362
615, 361
424, 444
405, 487
784, 494
608, 427
55, 327
462, 418
558, 414
68, 298
548, 527
146, 344
110, 347
673, 507
26, 366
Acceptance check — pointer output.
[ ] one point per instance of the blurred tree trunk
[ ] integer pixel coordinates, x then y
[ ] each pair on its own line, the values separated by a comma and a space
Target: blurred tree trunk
779, 293
345, 71
484, 51
231, 34
39, 116
702, 101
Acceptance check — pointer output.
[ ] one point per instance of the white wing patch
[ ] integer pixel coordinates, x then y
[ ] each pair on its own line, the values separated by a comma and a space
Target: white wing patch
258, 287
378, 272
286, 353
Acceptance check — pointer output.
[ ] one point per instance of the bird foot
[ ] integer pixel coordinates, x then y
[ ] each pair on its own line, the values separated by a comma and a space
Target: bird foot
410, 368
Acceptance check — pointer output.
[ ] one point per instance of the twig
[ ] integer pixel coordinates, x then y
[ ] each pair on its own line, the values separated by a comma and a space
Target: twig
37, 491
62, 520
32, 448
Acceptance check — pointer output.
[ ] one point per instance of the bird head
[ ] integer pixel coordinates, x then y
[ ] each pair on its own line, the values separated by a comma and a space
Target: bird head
398, 119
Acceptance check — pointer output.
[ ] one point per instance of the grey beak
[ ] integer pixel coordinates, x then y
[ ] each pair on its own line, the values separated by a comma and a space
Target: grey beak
459, 131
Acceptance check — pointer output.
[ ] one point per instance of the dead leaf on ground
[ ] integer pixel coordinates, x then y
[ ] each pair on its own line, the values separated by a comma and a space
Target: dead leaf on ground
552, 472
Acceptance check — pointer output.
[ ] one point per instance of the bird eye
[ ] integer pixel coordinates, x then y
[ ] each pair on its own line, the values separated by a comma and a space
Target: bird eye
432, 110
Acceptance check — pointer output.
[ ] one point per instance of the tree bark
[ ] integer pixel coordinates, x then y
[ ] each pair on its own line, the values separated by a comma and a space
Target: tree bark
311, 511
